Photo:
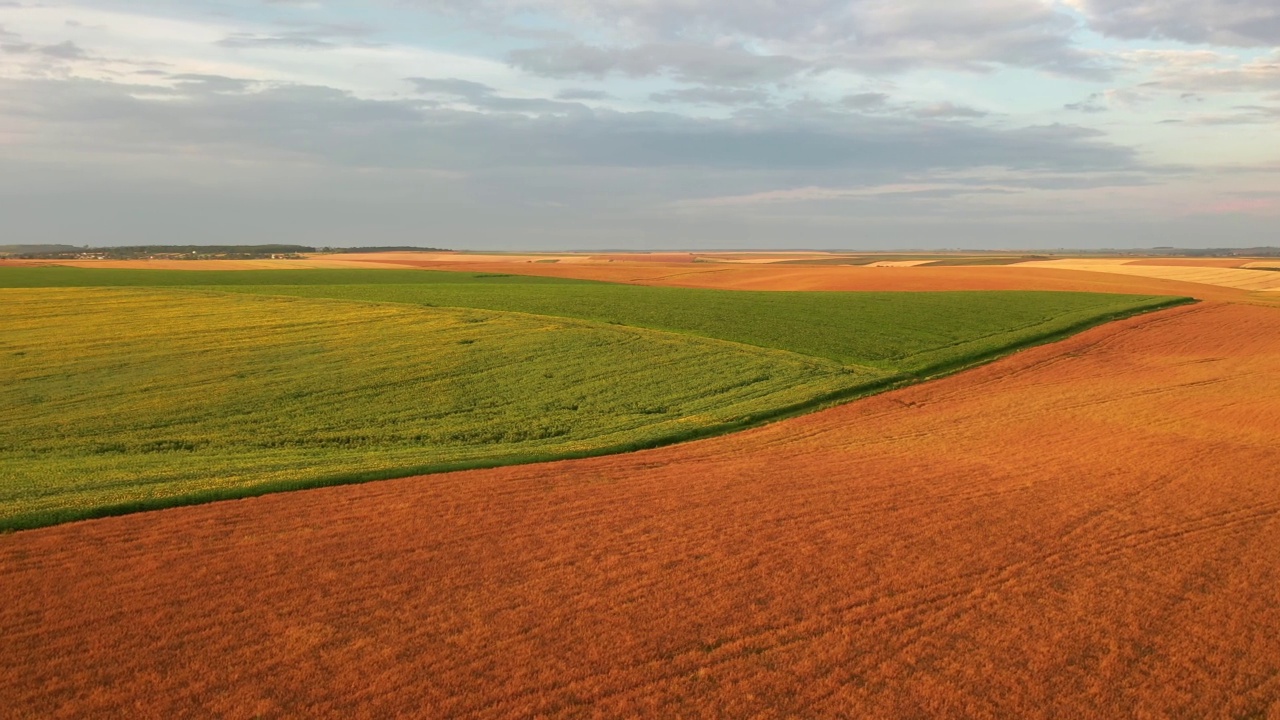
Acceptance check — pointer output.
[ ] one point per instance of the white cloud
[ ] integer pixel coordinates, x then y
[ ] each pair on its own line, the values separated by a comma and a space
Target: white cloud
119, 44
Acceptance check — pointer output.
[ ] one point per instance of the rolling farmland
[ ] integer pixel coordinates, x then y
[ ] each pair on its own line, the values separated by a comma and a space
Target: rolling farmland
941, 550
1075, 528
639, 359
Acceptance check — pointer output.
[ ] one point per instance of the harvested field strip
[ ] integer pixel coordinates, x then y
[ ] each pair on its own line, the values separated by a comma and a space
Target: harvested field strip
911, 260
1194, 262
982, 260
1239, 278
121, 399
922, 553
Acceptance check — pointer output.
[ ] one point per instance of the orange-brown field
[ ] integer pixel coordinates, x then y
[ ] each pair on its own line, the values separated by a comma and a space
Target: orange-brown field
1085, 529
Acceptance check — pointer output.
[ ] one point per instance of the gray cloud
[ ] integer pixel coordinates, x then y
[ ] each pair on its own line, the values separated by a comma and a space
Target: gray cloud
867, 35
582, 94
302, 41
336, 127
482, 96
686, 62
305, 162
451, 86
945, 110
198, 83
1095, 103
879, 103
1250, 23
1241, 115
66, 50
712, 96
304, 36
866, 101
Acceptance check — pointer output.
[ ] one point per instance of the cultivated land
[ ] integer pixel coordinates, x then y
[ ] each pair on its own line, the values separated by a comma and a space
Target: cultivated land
125, 398
120, 399
1078, 530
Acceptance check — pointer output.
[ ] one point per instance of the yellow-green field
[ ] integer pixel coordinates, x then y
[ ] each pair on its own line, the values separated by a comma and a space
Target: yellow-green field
128, 396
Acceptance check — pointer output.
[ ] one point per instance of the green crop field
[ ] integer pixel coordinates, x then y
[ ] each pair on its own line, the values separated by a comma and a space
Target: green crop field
128, 390
898, 332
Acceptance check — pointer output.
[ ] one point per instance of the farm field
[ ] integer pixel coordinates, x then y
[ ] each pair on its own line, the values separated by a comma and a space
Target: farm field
1076, 528
1211, 274
130, 397
920, 333
122, 397
1084, 276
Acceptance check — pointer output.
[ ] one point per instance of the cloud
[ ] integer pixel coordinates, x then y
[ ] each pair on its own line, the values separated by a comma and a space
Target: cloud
1246, 23
66, 50
451, 86
1240, 115
687, 62
944, 110
201, 83
712, 96
887, 36
882, 104
897, 191
293, 41
335, 127
866, 101
1190, 76
509, 138
1260, 75
583, 94
1239, 206
873, 36
1095, 103
481, 96
303, 36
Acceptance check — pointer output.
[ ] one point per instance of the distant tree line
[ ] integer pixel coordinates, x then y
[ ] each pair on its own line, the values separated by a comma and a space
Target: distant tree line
181, 252
385, 248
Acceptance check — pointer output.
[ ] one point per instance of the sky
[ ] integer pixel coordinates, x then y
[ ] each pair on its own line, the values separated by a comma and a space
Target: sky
642, 124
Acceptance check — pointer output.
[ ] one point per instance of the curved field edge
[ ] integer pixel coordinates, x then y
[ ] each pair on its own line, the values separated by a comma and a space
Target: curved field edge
46, 518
